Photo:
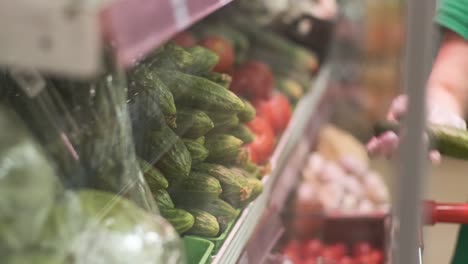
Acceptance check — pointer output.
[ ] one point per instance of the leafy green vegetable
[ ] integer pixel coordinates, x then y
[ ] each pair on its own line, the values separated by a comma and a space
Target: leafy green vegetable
28, 184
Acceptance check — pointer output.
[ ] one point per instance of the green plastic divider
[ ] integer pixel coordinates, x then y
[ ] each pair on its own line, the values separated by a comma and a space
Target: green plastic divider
198, 250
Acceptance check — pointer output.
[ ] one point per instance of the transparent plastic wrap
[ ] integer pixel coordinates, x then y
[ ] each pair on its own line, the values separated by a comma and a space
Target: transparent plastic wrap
84, 126
103, 211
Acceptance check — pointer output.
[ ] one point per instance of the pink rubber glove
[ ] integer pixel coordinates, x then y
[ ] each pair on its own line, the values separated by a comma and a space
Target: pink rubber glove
387, 143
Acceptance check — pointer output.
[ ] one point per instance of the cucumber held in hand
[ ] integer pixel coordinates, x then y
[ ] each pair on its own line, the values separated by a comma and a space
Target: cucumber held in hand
198, 152
205, 224
448, 141
199, 92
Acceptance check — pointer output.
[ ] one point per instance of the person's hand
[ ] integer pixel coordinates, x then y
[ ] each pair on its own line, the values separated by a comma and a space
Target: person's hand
387, 143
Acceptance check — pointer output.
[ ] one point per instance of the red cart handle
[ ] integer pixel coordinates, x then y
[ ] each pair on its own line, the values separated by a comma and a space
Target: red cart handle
455, 213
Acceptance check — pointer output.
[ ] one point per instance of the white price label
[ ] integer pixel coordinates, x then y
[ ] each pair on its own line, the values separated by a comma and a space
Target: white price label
54, 36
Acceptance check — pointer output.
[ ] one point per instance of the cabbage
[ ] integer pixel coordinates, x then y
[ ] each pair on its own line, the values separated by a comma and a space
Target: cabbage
28, 184
95, 227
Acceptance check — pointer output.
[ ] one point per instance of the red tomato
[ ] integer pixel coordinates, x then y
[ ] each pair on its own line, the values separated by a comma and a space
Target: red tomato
312, 260
262, 146
330, 254
340, 249
347, 260
313, 248
377, 256
366, 259
253, 80
293, 251
293, 256
224, 50
361, 248
294, 245
185, 39
277, 111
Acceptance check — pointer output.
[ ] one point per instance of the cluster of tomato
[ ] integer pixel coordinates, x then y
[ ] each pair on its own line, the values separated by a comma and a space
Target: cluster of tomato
254, 81
310, 251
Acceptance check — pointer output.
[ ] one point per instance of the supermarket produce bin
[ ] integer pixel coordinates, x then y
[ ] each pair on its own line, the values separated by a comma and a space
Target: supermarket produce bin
198, 250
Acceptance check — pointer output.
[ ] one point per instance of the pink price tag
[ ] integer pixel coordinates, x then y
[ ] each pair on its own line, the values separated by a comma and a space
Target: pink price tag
137, 26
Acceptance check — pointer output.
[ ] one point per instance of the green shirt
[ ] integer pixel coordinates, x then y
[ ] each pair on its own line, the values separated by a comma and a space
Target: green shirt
453, 15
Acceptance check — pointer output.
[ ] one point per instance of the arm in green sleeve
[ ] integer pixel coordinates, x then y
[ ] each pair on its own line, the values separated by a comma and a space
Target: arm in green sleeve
453, 15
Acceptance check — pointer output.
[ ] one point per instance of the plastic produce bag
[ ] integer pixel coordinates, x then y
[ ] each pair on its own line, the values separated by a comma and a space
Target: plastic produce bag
96, 227
28, 184
85, 128
105, 212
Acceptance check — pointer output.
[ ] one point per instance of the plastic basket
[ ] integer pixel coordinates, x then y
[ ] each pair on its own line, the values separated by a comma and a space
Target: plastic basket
198, 250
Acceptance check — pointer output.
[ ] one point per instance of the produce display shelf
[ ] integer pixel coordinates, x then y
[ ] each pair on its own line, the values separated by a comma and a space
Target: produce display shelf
259, 225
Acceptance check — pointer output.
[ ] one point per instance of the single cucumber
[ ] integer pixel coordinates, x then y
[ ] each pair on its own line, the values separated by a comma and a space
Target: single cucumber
181, 220
197, 188
243, 172
204, 61
162, 198
200, 93
252, 170
248, 113
236, 188
153, 176
223, 122
200, 140
151, 86
198, 152
170, 152
222, 79
257, 189
448, 141
243, 133
220, 209
170, 56
205, 224
292, 89
223, 149
193, 123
